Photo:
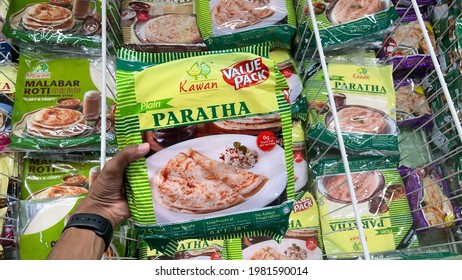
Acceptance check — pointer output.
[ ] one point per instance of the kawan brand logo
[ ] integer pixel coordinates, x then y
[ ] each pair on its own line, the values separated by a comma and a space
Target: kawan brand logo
40, 71
361, 73
246, 73
200, 79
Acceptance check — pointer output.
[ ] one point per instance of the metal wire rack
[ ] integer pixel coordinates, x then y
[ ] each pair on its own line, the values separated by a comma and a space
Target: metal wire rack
433, 239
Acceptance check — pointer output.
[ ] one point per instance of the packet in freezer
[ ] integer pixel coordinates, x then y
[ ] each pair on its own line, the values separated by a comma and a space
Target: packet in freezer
228, 24
160, 26
58, 105
221, 160
68, 23
343, 22
382, 205
364, 98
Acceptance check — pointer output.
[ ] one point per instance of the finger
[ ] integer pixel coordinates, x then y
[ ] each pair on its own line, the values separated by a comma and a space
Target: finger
127, 155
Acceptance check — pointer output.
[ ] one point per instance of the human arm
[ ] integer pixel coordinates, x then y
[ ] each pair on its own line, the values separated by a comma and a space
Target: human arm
105, 198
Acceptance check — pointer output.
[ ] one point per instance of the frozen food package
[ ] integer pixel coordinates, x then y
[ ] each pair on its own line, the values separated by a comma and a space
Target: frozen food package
160, 26
301, 241
221, 159
60, 23
6, 171
343, 23
412, 107
8, 74
364, 98
382, 205
189, 249
405, 46
228, 24
41, 223
50, 179
429, 198
58, 105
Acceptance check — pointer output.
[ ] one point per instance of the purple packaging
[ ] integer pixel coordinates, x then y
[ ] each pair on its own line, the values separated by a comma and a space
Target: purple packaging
412, 108
428, 196
405, 47
407, 3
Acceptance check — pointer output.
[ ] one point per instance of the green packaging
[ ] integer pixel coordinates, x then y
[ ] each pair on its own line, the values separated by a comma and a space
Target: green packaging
228, 24
58, 105
216, 104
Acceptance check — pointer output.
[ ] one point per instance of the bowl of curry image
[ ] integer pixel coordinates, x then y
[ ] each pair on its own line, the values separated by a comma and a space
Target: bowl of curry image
367, 185
361, 119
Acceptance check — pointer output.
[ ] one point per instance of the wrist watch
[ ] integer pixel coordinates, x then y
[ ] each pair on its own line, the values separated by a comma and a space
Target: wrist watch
96, 223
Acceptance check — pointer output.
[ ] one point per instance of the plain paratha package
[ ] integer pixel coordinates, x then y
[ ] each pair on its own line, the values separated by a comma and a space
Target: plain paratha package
221, 160
382, 205
190, 249
412, 107
429, 198
364, 97
343, 23
48, 179
405, 47
413, 147
60, 23
58, 104
160, 26
301, 241
41, 223
228, 24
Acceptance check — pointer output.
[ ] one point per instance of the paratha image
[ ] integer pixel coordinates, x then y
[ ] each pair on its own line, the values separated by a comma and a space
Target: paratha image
230, 16
52, 122
170, 29
343, 11
58, 191
250, 125
189, 180
288, 249
45, 16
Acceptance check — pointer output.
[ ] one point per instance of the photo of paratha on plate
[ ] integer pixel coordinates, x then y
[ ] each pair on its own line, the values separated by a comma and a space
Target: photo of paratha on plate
189, 180
43, 16
229, 16
250, 125
169, 29
52, 122
58, 191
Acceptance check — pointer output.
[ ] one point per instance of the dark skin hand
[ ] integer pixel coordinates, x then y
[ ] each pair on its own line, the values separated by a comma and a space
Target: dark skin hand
106, 198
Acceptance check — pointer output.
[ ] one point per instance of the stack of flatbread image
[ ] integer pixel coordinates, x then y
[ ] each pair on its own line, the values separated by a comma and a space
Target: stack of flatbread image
239, 14
250, 125
49, 17
56, 123
172, 29
59, 191
193, 183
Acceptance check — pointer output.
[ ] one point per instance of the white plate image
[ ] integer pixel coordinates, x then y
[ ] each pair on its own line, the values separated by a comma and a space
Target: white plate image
301, 172
278, 6
50, 215
270, 164
248, 252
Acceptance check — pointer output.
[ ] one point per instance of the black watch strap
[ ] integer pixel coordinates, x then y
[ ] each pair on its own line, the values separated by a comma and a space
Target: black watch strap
96, 223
